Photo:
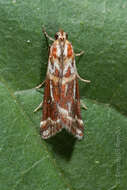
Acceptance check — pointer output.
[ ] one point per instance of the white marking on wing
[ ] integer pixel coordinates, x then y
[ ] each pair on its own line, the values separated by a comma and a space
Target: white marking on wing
75, 68
51, 90
78, 131
79, 137
75, 119
68, 79
79, 120
52, 67
42, 123
65, 50
45, 133
62, 110
70, 118
74, 89
66, 67
69, 107
58, 51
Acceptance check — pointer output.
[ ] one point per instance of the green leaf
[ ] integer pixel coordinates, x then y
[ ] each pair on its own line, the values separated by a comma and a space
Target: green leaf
99, 160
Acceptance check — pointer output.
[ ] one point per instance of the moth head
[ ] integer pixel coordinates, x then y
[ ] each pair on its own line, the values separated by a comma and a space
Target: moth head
61, 35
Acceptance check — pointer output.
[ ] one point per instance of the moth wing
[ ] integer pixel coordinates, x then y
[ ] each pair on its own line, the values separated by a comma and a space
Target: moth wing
70, 109
79, 126
50, 123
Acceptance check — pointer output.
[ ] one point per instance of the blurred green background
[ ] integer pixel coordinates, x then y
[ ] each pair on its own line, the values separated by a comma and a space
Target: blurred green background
98, 161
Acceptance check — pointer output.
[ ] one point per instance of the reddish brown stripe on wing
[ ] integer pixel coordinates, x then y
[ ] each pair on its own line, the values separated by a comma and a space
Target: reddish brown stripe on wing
69, 50
68, 73
56, 91
77, 98
54, 50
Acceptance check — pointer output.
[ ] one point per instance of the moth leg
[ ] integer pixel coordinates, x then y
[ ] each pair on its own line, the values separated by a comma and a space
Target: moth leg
40, 106
83, 105
87, 81
47, 36
40, 85
79, 54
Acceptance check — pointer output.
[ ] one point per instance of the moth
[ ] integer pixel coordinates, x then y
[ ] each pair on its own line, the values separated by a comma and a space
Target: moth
61, 103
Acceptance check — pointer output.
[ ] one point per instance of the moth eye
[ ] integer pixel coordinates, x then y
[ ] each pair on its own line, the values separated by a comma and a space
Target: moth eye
56, 36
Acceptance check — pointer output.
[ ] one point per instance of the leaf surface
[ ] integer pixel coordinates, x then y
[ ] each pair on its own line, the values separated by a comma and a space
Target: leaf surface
99, 160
